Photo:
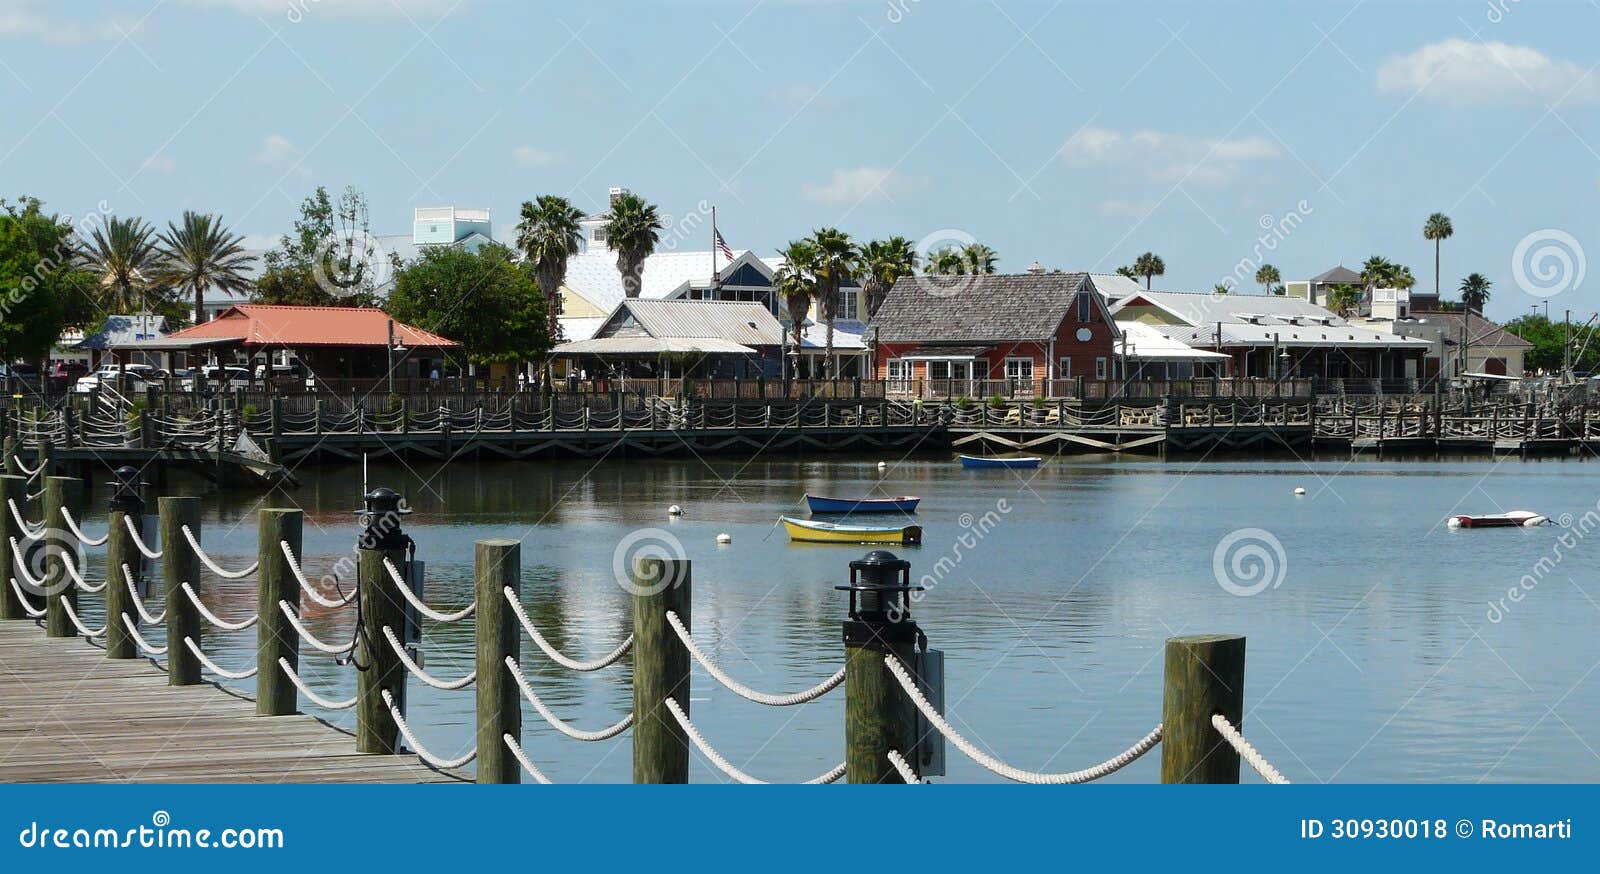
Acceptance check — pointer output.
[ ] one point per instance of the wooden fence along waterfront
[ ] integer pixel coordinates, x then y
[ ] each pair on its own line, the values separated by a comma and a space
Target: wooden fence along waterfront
891, 719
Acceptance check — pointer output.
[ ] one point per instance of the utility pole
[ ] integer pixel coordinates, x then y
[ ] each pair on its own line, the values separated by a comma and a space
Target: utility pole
1566, 348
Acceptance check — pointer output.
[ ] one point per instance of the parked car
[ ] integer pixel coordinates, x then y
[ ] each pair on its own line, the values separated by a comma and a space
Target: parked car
68, 370
139, 378
214, 378
27, 374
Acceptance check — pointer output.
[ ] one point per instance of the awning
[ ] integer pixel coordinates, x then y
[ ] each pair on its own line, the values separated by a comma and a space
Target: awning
945, 353
174, 344
652, 346
1144, 343
1499, 377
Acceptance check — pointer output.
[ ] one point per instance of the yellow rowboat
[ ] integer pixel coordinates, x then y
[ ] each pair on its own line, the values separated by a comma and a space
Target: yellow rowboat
811, 531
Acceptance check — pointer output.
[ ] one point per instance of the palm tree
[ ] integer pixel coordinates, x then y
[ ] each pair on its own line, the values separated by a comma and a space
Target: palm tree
796, 285
1438, 229
947, 262
202, 253
1220, 288
1128, 271
1377, 270
1267, 277
883, 263
837, 259
549, 235
980, 258
126, 253
1401, 278
1344, 298
1475, 292
633, 228
1147, 265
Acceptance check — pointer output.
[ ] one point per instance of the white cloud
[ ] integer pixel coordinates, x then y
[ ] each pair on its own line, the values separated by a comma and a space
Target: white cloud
1457, 72
22, 18
276, 149
1167, 157
528, 156
166, 165
852, 186
1125, 209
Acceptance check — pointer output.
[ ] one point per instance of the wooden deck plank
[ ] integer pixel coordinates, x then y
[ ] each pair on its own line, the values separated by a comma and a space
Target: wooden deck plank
70, 715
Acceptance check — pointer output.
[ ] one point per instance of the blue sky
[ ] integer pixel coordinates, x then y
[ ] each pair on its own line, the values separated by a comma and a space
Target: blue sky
1074, 134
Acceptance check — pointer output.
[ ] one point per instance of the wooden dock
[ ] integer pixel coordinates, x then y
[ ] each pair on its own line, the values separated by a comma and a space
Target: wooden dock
68, 714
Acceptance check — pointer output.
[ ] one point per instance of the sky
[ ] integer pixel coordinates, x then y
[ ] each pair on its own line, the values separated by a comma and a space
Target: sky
1077, 135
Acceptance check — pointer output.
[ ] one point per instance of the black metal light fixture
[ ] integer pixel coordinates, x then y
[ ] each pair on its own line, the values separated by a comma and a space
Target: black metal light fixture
380, 519
125, 493
880, 600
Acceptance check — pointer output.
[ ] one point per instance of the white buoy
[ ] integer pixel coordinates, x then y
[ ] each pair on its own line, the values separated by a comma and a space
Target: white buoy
1299, 490
724, 537
883, 465
1453, 522
674, 510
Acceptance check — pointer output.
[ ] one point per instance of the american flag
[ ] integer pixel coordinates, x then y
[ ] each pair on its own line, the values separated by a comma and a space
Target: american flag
722, 246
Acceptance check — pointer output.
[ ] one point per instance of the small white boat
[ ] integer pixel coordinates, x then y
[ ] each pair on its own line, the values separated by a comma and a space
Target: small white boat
1513, 519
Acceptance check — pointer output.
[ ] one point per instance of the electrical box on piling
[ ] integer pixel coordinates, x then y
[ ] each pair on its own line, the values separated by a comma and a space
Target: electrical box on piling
930, 741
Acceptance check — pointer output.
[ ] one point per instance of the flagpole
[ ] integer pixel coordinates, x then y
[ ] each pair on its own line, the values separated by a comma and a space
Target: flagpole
713, 249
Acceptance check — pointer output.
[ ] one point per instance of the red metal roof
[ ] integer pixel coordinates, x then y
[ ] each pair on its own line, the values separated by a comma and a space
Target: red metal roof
264, 325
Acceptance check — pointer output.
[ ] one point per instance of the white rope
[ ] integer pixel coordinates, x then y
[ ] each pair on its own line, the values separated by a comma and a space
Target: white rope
723, 764
907, 773
24, 468
138, 603
1246, 751
213, 618
742, 690
21, 566
86, 540
26, 607
77, 578
424, 609
316, 699
133, 630
305, 584
555, 722
28, 531
555, 654
215, 568
138, 542
308, 637
522, 759
419, 673
72, 614
213, 667
419, 749
1109, 766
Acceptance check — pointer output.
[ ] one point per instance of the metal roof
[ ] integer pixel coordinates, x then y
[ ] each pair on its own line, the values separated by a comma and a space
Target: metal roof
1147, 343
743, 322
651, 346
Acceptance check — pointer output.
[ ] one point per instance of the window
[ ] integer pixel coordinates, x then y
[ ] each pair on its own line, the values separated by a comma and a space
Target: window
599, 235
1083, 307
1020, 369
897, 369
1065, 371
849, 305
1100, 368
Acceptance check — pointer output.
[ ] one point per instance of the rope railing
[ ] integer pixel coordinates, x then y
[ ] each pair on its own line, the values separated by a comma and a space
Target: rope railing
72, 616
556, 655
29, 532
1246, 751
308, 637
213, 667
27, 608
742, 690
416, 746
194, 544
21, 567
556, 722
72, 526
327, 703
522, 759
305, 584
721, 763
903, 768
417, 671
71, 568
214, 619
138, 602
138, 541
424, 609
133, 631
1095, 772
24, 468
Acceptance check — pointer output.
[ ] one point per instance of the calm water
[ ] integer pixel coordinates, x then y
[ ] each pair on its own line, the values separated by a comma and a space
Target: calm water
1375, 658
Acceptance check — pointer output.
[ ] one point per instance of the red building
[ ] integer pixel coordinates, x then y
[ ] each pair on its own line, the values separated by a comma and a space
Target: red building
1000, 334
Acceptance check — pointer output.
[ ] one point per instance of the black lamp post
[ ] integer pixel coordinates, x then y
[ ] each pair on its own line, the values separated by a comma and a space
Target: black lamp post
125, 494
380, 519
879, 717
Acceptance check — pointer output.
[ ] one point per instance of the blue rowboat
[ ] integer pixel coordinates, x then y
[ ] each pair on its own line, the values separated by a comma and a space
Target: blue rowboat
902, 504
1012, 462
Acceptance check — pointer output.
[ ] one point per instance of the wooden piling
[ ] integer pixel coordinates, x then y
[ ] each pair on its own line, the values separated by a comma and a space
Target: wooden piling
660, 670
381, 605
10, 461
1204, 677
179, 565
60, 493
275, 637
499, 564
879, 716
119, 602
12, 488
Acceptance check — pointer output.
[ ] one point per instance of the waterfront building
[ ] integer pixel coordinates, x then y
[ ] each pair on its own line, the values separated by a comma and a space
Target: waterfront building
666, 338
1465, 342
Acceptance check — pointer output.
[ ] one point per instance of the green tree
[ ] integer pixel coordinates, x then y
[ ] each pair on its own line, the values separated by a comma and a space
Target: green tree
980, 258
1344, 299
483, 300
43, 290
1127, 271
947, 261
548, 236
125, 253
633, 228
796, 284
1268, 277
835, 262
201, 253
330, 259
1220, 288
1438, 229
1148, 265
1475, 292
883, 263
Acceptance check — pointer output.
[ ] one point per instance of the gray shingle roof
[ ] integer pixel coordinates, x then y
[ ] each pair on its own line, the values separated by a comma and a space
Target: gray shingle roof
1340, 274
966, 309
1479, 330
